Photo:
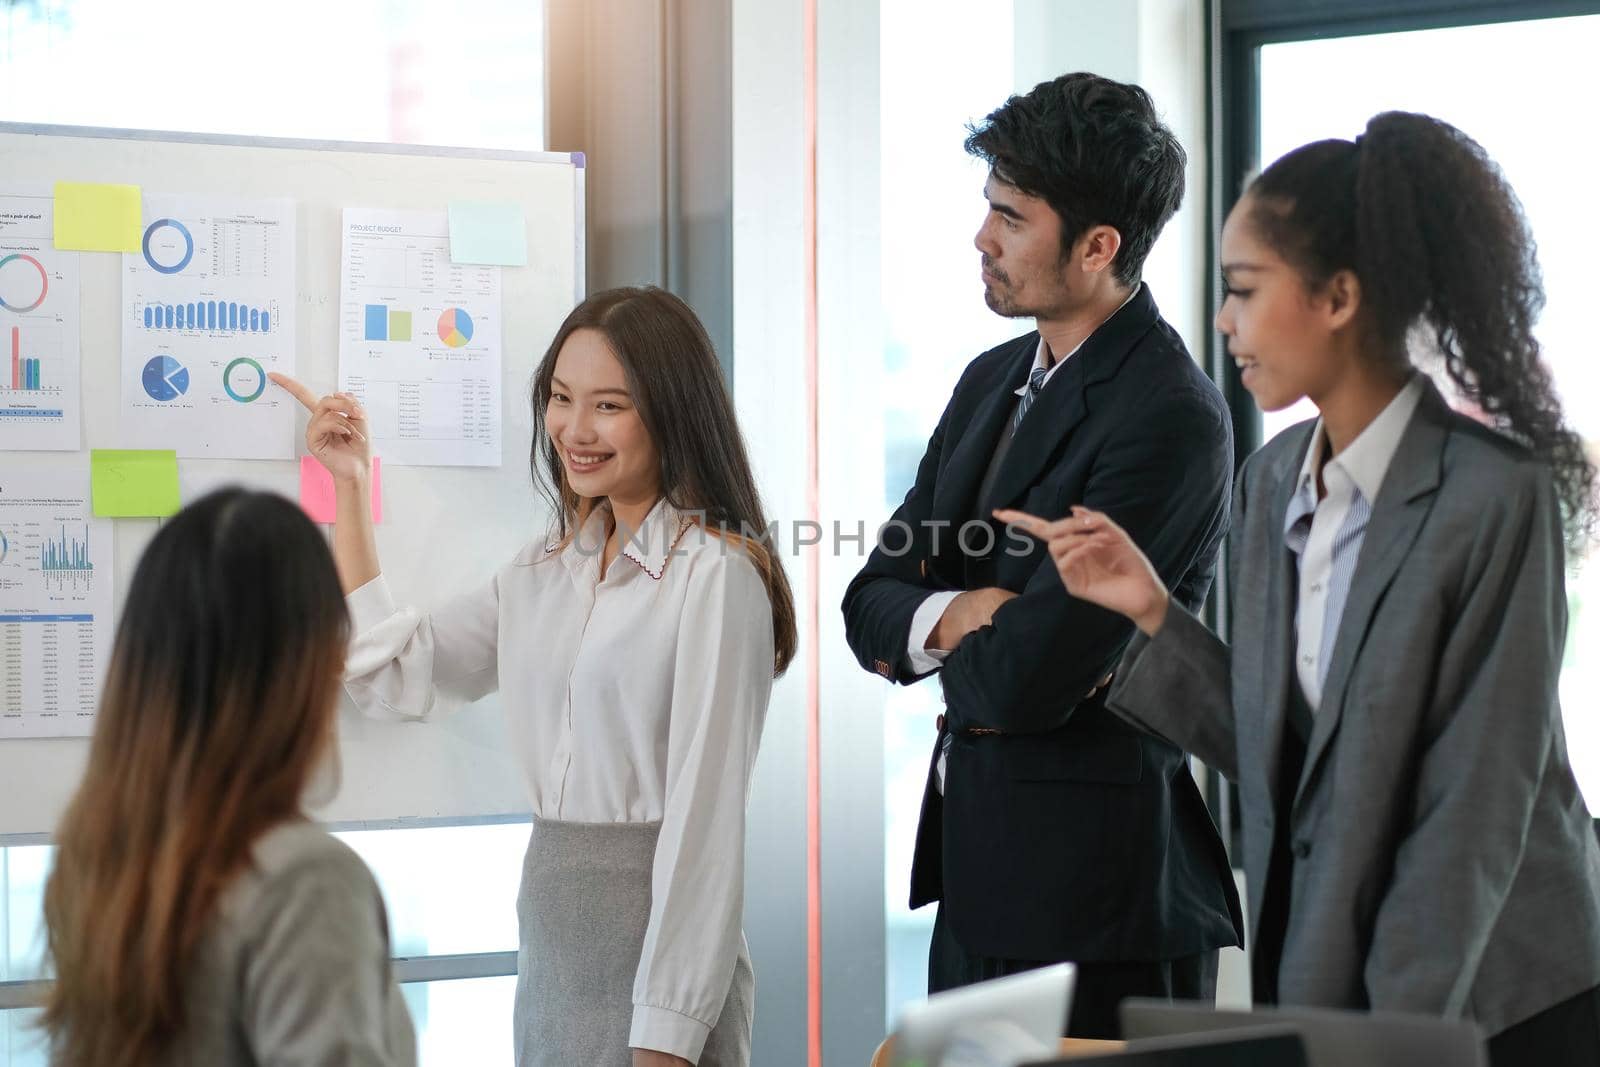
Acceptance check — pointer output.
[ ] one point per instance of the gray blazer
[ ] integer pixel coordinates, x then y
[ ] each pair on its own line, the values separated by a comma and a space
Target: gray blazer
296, 969
1444, 860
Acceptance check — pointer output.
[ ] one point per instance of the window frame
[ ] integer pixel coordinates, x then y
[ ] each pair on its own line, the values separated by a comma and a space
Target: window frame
1237, 31
443, 967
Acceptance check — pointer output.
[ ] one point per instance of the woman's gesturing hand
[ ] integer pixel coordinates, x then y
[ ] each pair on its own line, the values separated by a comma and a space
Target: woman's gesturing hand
1099, 562
337, 433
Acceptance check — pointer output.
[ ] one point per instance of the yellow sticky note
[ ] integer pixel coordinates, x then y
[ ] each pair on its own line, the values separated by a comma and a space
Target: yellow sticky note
98, 218
129, 483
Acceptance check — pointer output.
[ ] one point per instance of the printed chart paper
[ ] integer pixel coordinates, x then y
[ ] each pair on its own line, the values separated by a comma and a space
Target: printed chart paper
55, 603
41, 402
208, 307
419, 340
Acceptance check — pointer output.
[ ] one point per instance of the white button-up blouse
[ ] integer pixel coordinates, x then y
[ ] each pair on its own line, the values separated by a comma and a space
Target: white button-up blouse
637, 698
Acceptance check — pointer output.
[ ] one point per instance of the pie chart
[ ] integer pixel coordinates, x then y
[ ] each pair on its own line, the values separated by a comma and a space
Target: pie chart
165, 379
455, 327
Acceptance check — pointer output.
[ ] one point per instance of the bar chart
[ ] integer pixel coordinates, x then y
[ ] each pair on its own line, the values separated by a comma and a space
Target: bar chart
24, 371
384, 323
212, 316
66, 559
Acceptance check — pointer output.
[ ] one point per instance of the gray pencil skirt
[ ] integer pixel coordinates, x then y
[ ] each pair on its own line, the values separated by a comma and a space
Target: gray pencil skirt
582, 912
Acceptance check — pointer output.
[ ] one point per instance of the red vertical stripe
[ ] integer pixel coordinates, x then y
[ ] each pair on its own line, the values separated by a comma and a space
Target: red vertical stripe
16, 355
810, 619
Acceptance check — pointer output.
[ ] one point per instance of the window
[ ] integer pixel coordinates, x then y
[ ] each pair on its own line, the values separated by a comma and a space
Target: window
448, 890
1304, 91
935, 323
357, 70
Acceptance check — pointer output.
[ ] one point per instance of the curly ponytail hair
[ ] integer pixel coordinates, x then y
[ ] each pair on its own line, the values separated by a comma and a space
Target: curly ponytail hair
1426, 220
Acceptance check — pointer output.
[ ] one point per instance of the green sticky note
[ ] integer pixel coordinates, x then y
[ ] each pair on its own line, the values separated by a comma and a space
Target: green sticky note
480, 232
134, 483
98, 218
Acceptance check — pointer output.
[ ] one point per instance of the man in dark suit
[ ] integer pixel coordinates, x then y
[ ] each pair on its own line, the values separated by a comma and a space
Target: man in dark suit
1051, 829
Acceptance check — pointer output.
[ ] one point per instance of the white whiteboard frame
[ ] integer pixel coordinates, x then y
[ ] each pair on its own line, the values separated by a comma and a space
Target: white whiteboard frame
477, 757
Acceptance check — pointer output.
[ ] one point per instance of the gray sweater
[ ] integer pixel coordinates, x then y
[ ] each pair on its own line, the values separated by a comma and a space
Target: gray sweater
296, 970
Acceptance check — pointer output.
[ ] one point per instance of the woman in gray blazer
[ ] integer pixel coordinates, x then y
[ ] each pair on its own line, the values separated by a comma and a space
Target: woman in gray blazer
1414, 839
195, 918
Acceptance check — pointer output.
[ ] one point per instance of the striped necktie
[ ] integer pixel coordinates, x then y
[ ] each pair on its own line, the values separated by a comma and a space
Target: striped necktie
1035, 383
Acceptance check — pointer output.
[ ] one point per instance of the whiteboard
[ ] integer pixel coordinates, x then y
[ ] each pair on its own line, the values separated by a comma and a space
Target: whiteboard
444, 529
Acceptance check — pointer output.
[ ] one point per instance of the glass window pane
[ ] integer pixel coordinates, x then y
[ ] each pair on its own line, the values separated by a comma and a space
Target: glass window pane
464, 1021
361, 70
23, 871
1441, 73
931, 207
449, 889
21, 1042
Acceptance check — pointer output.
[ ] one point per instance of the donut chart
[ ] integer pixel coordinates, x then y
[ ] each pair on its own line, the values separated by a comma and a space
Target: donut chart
455, 327
17, 280
161, 250
244, 380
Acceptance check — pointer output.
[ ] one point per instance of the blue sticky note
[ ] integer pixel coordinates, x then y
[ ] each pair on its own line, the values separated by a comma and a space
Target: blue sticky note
491, 233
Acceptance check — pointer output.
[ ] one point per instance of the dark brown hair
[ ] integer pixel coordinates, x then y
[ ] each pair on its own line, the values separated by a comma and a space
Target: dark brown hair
677, 384
1427, 222
1094, 150
218, 702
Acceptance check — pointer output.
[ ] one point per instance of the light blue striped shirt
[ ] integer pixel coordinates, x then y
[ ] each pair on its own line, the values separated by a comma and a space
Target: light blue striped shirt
1326, 535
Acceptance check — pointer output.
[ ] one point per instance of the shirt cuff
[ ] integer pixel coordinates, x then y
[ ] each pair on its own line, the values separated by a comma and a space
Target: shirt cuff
923, 660
369, 605
665, 1030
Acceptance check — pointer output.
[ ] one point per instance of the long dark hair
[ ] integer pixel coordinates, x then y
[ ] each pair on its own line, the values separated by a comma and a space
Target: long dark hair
675, 380
218, 702
1427, 221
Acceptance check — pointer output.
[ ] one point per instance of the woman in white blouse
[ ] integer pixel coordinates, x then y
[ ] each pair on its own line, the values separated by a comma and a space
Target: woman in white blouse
634, 650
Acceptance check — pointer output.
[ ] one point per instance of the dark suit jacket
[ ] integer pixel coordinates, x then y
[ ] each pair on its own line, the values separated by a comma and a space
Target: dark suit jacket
1444, 861
1070, 834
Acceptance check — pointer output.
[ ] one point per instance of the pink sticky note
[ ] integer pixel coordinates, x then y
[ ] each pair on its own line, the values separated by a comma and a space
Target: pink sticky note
317, 495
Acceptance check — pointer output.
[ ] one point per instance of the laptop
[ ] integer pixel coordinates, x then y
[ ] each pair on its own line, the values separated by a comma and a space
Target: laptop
1022, 1016
1332, 1038
1264, 1046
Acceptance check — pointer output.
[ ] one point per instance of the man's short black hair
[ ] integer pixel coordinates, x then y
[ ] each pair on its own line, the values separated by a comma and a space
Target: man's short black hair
1094, 150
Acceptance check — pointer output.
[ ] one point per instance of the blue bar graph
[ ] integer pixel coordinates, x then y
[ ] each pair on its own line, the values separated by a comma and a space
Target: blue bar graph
66, 554
377, 323
208, 315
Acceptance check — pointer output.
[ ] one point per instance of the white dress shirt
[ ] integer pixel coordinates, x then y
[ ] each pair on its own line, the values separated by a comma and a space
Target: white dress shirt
1326, 535
639, 697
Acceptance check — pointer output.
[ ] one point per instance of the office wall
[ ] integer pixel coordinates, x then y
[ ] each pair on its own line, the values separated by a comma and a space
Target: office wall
643, 88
